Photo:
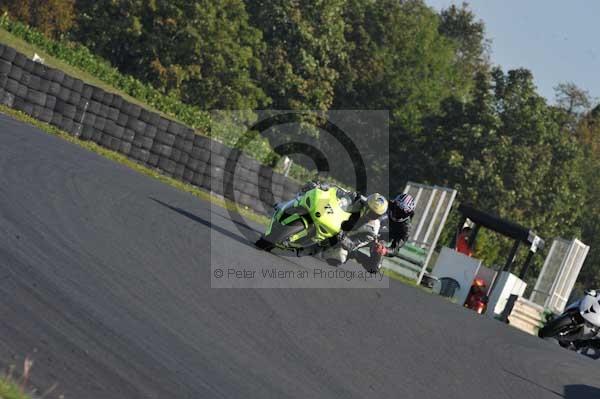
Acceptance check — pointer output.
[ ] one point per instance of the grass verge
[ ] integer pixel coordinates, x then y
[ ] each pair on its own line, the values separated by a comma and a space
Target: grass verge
395, 276
29, 50
10, 390
122, 159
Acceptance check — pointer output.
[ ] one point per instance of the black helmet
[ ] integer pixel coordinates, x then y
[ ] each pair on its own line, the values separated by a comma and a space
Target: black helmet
402, 207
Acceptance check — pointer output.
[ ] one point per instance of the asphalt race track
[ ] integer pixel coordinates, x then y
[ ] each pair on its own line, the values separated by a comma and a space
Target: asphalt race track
105, 281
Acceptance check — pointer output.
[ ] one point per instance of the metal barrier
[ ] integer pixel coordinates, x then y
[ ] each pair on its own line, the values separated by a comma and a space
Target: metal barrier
433, 203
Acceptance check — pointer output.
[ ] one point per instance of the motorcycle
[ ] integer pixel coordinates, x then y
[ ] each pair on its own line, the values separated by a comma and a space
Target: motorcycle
578, 324
310, 220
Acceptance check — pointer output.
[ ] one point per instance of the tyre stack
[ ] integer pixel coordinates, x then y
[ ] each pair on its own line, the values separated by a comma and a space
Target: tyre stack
274, 187
26, 85
103, 119
91, 113
254, 186
231, 175
246, 184
197, 169
143, 127
69, 107
218, 175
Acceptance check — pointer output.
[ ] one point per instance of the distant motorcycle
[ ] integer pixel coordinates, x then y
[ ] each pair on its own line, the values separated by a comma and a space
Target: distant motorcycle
578, 326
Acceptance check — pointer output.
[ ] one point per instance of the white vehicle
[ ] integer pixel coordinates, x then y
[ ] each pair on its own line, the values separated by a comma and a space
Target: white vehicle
579, 324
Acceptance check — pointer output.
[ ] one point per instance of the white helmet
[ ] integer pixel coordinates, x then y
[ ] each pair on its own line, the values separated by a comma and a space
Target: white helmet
377, 203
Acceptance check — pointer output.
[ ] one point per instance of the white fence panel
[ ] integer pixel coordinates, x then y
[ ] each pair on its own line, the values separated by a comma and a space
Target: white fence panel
559, 273
433, 203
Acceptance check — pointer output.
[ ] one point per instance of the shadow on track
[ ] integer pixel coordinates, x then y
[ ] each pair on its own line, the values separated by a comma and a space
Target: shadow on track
576, 391
207, 223
581, 392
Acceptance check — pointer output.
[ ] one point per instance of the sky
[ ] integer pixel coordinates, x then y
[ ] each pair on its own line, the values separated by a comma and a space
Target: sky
557, 40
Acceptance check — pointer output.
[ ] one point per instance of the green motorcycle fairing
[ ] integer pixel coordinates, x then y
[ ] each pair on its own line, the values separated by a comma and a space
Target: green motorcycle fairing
322, 213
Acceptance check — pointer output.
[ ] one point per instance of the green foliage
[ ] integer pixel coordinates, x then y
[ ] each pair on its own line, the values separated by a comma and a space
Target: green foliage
10, 390
397, 60
547, 316
51, 17
303, 40
459, 24
587, 132
81, 57
505, 152
202, 51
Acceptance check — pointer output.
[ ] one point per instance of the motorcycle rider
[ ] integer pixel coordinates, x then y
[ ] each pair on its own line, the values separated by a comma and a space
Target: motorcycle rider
399, 214
363, 228
360, 230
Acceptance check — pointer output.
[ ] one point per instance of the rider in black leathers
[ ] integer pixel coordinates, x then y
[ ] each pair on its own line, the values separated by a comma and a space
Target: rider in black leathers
400, 211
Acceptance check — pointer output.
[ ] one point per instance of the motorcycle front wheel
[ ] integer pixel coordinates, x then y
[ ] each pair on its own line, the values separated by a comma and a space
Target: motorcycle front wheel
559, 325
279, 233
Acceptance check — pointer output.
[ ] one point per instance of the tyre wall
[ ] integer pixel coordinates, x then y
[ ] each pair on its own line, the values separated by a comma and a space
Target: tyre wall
91, 113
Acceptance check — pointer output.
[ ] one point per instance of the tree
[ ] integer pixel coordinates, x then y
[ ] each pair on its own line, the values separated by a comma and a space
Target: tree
397, 61
203, 51
588, 134
505, 152
572, 98
460, 25
303, 40
572, 103
51, 17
